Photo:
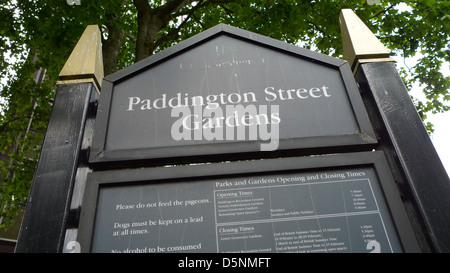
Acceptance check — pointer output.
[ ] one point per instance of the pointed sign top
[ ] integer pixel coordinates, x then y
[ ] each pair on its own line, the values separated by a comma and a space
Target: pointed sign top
86, 60
358, 41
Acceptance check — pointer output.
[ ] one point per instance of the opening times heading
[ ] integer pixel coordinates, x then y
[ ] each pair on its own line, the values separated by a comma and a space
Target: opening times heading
290, 179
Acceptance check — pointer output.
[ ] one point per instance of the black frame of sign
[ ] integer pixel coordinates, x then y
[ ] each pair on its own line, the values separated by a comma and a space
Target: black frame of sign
123, 178
102, 158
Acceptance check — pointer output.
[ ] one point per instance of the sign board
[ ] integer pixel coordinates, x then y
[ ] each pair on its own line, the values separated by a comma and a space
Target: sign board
228, 91
274, 205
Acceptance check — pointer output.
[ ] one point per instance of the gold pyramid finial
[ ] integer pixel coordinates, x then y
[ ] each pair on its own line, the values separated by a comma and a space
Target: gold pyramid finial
358, 41
85, 63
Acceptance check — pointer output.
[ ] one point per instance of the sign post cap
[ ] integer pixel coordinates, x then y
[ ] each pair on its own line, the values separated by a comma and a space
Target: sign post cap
85, 63
358, 41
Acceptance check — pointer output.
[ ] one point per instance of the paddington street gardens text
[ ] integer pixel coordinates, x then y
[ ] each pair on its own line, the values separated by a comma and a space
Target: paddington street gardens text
213, 113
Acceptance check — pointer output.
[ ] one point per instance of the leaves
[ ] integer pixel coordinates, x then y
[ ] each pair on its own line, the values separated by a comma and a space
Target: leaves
22, 126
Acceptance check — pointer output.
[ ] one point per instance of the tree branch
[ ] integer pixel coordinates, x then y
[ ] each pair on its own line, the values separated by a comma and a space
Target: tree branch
204, 4
173, 6
5, 124
383, 11
152, 21
141, 5
227, 11
130, 36
200, 23
173, 34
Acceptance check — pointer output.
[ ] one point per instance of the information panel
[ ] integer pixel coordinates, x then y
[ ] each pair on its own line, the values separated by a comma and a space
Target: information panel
228, 91
338, 210
213, 92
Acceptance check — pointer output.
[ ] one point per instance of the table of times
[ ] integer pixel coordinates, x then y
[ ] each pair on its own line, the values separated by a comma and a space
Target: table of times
300, 215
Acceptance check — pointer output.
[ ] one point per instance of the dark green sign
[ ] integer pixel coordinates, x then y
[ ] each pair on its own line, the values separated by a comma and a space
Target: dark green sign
228, 91
282, 209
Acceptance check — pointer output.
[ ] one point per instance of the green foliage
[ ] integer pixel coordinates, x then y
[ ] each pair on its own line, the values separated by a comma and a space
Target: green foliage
22, 126
51, 28
422, 31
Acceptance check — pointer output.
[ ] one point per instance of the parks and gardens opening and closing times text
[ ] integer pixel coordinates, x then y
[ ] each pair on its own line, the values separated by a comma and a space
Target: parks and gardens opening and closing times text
302, 212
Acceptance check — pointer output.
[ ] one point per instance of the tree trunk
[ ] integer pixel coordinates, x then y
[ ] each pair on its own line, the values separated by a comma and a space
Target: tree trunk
151, 21
111, 46
143, 28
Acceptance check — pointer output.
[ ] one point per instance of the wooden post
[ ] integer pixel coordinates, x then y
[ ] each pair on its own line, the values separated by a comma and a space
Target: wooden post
48, 207
417, 168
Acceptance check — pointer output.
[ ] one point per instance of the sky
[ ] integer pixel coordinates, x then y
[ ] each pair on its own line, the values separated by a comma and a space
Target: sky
441, 137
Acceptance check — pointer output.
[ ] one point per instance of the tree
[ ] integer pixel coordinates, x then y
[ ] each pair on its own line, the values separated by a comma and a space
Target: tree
135, 29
